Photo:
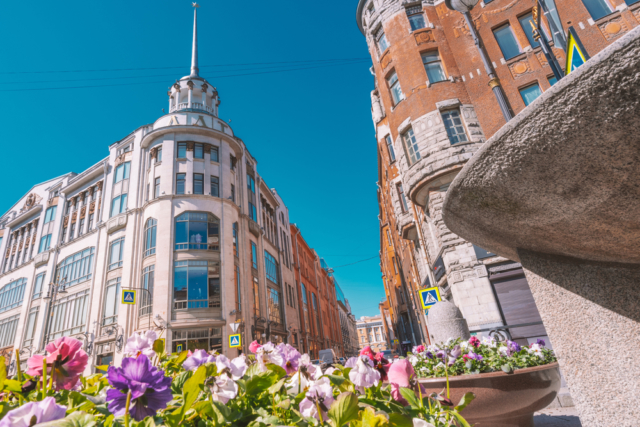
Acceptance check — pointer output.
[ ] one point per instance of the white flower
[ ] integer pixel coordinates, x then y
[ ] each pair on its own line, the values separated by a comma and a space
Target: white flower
537, 350
298, 383
439, 366
268, 353
504, 350
224, 389
464, 345
419, 422
449, 342
319, 394
363, 374
141, 343
330, 370
491, 342
235, 368
413, 360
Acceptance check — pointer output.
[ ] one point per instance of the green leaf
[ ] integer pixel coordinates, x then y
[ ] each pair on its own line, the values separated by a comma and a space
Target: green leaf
3, 372
204, 409
253, 370
375, 403
147, 422
179, 380
180, 359
277, 369
461, 420
410, 397
466, 399
158, 347
344, 409
371, 419
77, 419
13, 385
276, 387
190, 391
285, 404
223, 413
399, 420
336, 380
507, 368
260, 383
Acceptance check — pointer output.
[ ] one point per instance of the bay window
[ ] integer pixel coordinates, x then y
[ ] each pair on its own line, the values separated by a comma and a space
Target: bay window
271, 267
411, 145
197, 230
455, 129
196, 284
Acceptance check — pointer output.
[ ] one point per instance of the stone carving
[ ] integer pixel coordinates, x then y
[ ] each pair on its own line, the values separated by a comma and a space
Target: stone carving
119, 159
31, 200
376, 107
190, 145
520, 68
385, 60
154, 153
92, 208
74, 217
65, 221
99, 185
614, 28
83, 211
424, 36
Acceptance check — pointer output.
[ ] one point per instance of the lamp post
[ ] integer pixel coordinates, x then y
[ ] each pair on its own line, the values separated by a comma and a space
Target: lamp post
52, 295
464, 7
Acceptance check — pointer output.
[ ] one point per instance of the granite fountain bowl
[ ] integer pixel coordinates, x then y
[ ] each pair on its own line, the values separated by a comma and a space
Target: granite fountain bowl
502, 400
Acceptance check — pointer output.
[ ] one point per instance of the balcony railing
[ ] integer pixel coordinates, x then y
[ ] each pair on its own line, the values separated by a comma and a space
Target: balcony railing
194, 106
210, 303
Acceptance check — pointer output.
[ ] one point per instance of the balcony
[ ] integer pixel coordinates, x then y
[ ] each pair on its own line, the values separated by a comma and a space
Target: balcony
194, 106
41, 259
116, 223
254, 228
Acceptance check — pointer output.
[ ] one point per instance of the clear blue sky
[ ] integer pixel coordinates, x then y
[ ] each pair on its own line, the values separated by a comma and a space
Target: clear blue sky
310, 130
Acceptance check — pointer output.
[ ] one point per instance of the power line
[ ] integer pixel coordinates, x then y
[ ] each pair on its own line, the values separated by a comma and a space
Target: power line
362, 260
170, 68
164, 81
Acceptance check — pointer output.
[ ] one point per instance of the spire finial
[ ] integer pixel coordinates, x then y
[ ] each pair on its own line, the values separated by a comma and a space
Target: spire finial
194, 50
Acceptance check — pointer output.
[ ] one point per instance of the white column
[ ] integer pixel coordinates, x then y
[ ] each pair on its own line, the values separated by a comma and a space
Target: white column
190, 95
86, 205
98, 209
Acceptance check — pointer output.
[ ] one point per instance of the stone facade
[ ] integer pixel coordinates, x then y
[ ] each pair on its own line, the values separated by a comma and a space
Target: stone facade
422, 147
371, 333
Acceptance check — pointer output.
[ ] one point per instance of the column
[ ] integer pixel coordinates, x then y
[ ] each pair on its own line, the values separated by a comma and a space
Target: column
190, 84
99, 203
85, 205
74, 204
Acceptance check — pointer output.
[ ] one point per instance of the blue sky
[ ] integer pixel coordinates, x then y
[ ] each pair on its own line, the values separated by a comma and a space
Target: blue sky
310, 129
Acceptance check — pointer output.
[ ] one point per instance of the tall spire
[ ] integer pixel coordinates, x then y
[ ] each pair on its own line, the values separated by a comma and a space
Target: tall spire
194, 50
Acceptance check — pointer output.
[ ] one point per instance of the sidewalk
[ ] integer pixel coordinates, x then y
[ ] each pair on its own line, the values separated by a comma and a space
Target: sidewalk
557, 417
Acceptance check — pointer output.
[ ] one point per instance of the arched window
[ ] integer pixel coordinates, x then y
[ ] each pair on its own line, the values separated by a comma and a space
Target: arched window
76, 268
150, 237
197, 230
11, 294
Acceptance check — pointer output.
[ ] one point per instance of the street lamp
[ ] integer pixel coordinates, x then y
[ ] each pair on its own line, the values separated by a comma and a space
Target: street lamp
464, 7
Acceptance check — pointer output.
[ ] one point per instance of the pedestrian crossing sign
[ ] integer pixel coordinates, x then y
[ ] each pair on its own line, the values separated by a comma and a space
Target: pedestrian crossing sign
235, 341
128, 297
429, 297
576, 53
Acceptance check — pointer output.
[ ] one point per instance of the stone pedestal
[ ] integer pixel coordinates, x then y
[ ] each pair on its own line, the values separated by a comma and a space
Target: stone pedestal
592, 314
445, 321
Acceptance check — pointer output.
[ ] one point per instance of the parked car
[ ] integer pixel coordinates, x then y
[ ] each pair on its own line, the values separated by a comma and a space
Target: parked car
328, 356
342, 360
388, 354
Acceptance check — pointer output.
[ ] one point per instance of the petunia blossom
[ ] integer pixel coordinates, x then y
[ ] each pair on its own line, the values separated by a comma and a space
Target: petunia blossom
290, 358
419, 422
65, 362
400, 374
363, 374
269, 353
254, 346
366, 351
418, 349
150, 389
34, 413
351, 362
224, 389
234, 369
199, 357
319, 395
474, 342
138, 344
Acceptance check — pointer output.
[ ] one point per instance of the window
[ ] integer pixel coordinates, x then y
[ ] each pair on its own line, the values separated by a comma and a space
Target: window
271, 267
111, 302
232, 162
416, 17
553, 80
197, 230
528, 29
254, 256
8, 328
90, 221
275, 309
215, 186
72, 231
411, 145
118, 204
45, 243
37, 286
482, 253
394, 88
69, 315
30, 329
76, 268
507, 41
196, 284
159, 154
156, 188
81, 227
238, 290
233, 193
11, 294
182, 150
180, 182
199, 339
198, 183
453, 124
256, 298
150, 236
630, 2
381, 37
438, 269
530, 93
214, 153
64, 234
251, 186
104, 354
146, 298
122, 172
50, 215
402, 198
392, 154
305, 306
116, 252
433, 67
235, 239
598, 8
198, 151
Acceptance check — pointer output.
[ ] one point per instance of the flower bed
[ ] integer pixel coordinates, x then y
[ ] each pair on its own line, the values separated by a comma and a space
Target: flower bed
457, 357
275, 386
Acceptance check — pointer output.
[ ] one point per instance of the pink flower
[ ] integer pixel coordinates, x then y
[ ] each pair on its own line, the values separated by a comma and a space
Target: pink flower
418, 349
368, 352
65, 362
254, 346
400, 374
475, 342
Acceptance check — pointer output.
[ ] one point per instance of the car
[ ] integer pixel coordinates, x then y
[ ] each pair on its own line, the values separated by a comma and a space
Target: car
342, 360
316, 362
388, 354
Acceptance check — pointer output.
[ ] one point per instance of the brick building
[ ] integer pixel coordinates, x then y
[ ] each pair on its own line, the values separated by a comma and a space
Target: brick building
432, 109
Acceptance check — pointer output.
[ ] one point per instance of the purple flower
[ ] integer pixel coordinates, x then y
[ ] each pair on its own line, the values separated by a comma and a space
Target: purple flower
44, 411
428, 355
268, 353
320, 395
150, 389
351, 362
364, 374
234, 369
514, 346
290, 358
441, 354
540, 342
199, 357
455, 352
472, 356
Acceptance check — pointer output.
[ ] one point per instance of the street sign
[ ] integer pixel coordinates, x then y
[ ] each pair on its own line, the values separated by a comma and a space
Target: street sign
179, 348
128, 297
235, 341
396, 342
576, 53
429, 297
234, 327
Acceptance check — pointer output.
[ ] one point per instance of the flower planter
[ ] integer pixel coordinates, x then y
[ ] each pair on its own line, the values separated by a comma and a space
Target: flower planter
502, 400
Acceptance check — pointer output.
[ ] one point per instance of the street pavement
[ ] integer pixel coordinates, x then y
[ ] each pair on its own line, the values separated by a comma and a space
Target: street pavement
557, 417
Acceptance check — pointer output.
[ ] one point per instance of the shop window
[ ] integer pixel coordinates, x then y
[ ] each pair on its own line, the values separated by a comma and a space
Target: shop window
198, 339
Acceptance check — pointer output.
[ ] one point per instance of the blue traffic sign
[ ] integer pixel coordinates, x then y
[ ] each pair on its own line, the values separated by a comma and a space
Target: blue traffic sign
429, 297
128, 297
235, 341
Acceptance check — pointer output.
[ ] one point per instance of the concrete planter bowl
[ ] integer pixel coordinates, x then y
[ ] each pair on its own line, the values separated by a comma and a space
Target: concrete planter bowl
502, 400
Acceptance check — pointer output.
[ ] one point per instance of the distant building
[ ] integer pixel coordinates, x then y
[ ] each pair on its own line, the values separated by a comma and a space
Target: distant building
347, 324
371, 333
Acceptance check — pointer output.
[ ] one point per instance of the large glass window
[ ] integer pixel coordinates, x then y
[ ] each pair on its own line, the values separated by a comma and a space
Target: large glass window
433, 66
197, 230
598, 8
275, 307
116, 252
411, 145
76, 268
251, 186
30, 328
507, 41
305, 308
530, 93
271, 266
254, 256
69, 315
553, 80
150, 236
12, 294
119, 204
111, 302
198, 151
416, 17
454, 126
192, 287
45, 243
198, 339
122, 172
392, 153
38, 285
214, 153
180, 182
394, 88
8, 328
198, 183
215, 186
146, 298
159, 155
50, 214
182, 150
525, 23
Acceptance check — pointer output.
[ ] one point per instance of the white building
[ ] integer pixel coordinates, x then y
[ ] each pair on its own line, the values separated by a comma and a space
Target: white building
176, 211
